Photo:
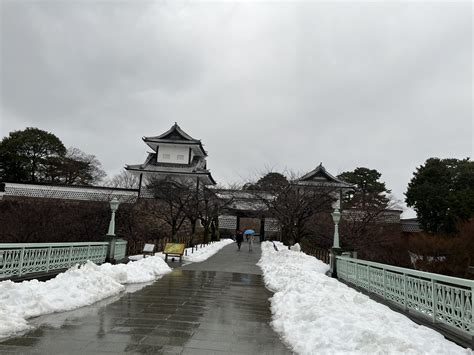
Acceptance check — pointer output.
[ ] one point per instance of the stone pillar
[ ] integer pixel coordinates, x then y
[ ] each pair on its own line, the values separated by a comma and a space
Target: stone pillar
332, 261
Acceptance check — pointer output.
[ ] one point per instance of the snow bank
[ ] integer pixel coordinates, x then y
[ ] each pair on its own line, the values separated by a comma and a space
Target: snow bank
315, 313
139, 271
77, 287
206, 252
198, 255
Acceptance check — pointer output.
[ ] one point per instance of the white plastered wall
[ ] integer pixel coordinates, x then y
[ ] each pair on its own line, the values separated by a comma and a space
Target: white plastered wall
170, 153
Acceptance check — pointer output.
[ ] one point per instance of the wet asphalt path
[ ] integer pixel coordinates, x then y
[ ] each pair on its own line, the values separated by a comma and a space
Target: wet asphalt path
218, 306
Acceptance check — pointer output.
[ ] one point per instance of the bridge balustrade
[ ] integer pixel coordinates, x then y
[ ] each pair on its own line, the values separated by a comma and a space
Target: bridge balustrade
18, 259
443, 299
120, 249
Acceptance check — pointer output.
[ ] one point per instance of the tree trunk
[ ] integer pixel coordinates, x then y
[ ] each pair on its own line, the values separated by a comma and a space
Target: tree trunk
213, 231
174, 233
206, 234
193, 231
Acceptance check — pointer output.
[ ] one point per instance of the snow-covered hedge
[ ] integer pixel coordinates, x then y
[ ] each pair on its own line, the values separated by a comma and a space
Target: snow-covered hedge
317, 314
77, 287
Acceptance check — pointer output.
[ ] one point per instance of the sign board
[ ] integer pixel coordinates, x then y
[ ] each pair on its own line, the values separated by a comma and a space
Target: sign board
149, 248
174, 248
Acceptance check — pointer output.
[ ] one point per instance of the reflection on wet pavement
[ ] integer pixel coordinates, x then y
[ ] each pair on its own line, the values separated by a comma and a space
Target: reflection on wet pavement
186, 312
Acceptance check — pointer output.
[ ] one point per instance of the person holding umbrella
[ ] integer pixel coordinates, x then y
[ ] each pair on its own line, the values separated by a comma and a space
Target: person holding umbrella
249, 234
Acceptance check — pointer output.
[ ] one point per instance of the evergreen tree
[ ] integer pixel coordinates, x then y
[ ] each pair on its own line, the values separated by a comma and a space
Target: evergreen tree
369, 192
269, 182
34, 155
24, 155
442, 194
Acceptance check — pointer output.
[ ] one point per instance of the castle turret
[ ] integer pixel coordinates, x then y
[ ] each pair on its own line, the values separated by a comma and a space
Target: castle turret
175, 154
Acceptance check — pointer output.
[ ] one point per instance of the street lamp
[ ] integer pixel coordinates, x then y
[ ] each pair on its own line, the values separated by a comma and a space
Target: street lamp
114, 204
336, 248
336, 217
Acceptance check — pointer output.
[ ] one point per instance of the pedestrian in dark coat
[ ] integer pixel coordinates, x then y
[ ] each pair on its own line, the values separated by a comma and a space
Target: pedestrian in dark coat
239, 237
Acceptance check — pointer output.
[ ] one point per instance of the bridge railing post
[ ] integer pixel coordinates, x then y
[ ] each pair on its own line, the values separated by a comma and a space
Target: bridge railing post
433, 299
22, 255
333, 261
48, 258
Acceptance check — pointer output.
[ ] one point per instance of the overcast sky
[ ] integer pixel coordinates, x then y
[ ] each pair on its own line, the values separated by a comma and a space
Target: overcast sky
264, 85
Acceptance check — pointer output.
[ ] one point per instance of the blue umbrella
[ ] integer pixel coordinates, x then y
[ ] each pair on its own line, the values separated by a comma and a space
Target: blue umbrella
249, 231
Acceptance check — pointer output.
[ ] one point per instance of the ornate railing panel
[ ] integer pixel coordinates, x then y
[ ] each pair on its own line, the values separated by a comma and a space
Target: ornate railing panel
444, 299
25, 258
120, 249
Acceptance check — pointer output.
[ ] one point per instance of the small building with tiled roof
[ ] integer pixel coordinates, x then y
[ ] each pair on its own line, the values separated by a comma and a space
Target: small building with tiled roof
321, 177
175, 154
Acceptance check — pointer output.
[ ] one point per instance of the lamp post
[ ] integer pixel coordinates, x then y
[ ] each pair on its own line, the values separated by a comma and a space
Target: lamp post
336, 217
114, 204
336, 248
113, 207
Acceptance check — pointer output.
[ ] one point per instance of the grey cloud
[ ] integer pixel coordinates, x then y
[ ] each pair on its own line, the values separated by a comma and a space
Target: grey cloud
61, 57
277, 84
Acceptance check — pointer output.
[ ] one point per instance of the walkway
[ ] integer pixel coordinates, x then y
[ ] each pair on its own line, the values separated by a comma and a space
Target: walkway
219, 306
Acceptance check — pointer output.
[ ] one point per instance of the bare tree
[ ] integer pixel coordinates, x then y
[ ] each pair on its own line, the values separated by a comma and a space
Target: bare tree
205, 205
174, 196
191, 208
124, 179
74, 168
294, 206
210, 206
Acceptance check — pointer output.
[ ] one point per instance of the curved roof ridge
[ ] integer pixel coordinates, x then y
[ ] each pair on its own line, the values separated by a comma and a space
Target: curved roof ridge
175, 128
321, 169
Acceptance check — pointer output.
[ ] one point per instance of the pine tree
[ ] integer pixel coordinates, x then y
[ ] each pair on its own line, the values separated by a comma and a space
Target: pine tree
369, 192
24, 154
442, 194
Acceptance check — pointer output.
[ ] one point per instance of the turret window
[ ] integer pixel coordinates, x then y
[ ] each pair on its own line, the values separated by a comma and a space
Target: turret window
180, 157
166, 156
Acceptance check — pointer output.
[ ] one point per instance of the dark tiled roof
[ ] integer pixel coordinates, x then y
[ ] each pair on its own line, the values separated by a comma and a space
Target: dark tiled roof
70, 192
174, 133
320, 176
410, 225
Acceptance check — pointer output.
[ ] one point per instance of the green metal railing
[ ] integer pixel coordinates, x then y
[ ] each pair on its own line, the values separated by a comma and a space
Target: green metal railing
18, 259
444, 299
120, 249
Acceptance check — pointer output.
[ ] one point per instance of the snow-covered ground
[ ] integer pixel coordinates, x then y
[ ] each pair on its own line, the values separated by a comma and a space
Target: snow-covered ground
206, 252
77, 287
200, 254
82, 286
318, 314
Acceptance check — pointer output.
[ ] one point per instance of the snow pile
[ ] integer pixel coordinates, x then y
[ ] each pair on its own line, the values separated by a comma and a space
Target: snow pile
77, 287
206, 252
143, 270
296, 247
313, 312
198, 255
